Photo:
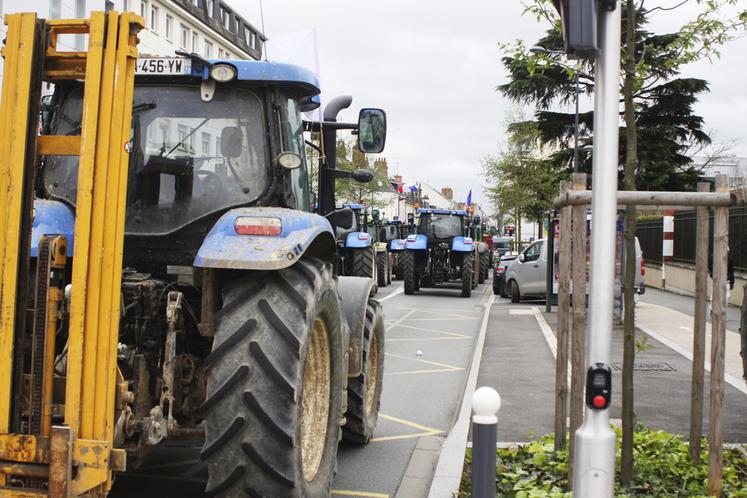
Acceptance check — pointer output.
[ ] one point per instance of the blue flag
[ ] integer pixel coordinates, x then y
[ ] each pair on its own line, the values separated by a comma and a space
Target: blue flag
469, 198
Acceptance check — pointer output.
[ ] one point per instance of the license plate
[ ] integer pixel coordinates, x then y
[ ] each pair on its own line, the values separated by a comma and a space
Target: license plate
163, 66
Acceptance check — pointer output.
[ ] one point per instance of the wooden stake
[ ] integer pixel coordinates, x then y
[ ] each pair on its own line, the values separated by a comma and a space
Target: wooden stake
578, 333
561, 361
699, 326
718, 333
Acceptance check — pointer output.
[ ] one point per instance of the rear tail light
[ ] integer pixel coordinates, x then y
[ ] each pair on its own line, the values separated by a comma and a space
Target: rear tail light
249, 225
362, 236
467, 240
643, 267
411, 238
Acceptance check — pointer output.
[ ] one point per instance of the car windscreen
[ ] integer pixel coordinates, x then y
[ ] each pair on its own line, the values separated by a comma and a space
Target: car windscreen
188, 158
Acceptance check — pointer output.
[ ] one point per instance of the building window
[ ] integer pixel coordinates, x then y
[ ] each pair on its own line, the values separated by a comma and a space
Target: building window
205, 144
225, 17
211, 8
181, 136
220, 53
227, 55
154, 18
184, 37
169, 26
195, 42
253, 43
144, 11
208, 49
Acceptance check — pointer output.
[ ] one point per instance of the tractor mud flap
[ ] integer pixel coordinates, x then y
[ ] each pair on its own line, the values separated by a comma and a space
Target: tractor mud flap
355, 292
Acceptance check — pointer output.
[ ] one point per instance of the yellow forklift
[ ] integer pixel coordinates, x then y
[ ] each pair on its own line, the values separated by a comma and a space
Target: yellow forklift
75, 456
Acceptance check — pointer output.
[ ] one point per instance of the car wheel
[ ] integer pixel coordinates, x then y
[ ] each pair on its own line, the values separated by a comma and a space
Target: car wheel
515, 293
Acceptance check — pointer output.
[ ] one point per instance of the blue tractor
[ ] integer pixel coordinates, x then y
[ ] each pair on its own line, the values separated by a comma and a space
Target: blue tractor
439, 252
396, 244
357, 254
235, 326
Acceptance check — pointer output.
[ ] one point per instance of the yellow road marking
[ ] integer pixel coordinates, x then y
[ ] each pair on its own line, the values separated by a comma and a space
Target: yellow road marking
426, 431
412, 339
428, 362
362, 494
434, 370
436, 331
436, 312
399, 320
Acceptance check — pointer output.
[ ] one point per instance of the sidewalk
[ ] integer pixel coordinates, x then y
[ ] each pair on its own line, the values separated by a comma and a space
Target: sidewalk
518, 361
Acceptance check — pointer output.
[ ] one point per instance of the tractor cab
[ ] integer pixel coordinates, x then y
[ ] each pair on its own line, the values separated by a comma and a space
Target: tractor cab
442, 225
206, 137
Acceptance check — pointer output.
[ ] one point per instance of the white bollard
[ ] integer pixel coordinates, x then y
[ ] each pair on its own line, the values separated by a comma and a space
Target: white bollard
485, 404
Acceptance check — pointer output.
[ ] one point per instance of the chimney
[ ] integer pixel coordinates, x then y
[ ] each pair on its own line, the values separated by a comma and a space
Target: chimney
398, 179
448, 192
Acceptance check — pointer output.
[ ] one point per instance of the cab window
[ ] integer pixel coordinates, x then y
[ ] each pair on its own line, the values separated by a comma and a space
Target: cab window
533, 252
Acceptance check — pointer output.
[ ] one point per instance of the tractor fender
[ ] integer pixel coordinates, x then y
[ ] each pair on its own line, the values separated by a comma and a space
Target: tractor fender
354, 292
416, 241
301, 232
357, 240
462, 244
396, 245
52, 218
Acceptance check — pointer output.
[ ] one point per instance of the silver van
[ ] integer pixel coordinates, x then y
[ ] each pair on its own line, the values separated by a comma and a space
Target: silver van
526, 276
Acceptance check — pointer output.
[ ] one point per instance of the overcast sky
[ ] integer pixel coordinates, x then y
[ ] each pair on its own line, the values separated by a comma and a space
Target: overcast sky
433, 66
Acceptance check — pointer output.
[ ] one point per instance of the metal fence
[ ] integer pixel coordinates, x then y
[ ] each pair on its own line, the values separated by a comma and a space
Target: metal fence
649, 234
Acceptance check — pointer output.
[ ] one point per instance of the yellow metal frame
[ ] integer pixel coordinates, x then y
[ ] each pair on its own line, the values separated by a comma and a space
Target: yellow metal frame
107, 70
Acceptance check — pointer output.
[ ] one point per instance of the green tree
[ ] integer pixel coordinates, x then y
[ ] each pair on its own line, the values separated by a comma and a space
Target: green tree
350, 158
520, 183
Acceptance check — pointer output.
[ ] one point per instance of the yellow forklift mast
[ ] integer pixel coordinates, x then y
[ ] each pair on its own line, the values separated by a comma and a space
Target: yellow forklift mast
57, 425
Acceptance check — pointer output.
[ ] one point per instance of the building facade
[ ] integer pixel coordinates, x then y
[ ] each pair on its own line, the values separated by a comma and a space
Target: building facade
209, 28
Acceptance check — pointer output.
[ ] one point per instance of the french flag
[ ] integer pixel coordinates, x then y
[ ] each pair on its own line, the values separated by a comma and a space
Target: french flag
406, 188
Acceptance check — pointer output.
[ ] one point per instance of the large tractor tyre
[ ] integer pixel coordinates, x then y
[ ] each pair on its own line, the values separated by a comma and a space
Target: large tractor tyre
364, 392
275, 380
484, 263
397, 270
467, 273
408, 271
382, 269
515, 292
364, 265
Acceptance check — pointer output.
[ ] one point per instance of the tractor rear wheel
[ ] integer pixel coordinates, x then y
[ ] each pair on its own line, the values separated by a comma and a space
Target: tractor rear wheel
382, 269
484, 266
364, 392
408, 271
364, 265
274, 385
467, 273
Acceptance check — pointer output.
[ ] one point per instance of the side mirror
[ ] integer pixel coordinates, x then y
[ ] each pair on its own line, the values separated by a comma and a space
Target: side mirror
521, 258
371, 130
375, 214
410, 218
231, 141
341, 218
362, 175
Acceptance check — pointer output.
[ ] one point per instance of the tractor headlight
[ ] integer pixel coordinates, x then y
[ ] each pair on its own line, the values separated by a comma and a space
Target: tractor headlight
288, 160
222, 72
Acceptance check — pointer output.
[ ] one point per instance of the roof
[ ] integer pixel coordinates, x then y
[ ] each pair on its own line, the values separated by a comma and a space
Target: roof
301, 79
457, 212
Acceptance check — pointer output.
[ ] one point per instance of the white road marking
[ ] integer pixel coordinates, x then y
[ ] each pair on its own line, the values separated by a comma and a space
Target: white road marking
389, 296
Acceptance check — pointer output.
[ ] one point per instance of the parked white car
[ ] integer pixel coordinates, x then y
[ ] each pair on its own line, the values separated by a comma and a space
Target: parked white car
526, 276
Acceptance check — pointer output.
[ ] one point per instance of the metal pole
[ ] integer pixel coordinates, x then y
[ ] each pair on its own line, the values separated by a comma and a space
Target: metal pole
594, 458
575, 128
485, 404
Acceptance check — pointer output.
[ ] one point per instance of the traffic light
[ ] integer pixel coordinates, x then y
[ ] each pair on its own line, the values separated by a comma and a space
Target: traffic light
579, 21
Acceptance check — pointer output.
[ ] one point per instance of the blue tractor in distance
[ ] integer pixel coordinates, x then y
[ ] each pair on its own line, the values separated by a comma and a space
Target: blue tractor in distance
439, 251
396, 244
356, 247
235, 326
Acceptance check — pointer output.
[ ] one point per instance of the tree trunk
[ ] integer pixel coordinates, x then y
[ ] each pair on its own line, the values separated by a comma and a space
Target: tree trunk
631, 159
